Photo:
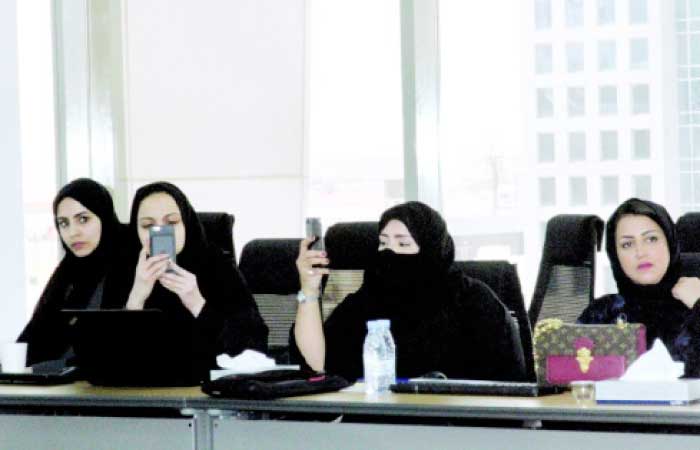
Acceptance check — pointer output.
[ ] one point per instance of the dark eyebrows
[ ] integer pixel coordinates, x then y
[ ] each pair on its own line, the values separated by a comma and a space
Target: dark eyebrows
167, 216
76, 215
644, 233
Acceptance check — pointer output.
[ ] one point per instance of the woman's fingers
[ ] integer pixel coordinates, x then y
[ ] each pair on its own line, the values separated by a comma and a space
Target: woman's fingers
155, 270
317, 271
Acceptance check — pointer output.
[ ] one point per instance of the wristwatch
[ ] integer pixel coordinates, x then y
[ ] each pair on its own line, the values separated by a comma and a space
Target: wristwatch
302, 298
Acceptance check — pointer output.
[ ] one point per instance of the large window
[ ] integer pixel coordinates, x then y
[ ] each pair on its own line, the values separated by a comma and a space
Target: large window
575, 129
355, 140
34, 42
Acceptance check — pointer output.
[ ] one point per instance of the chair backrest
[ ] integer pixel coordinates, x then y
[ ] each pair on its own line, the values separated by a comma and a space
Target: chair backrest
268, 266
566, 278
688, 229
350, 247
218, 227
502, 277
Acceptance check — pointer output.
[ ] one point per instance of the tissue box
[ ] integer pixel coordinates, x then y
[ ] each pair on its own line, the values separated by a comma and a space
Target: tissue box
672, 392
566, 352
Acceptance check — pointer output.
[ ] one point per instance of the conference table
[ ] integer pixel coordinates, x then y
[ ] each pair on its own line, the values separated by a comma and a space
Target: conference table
82, 416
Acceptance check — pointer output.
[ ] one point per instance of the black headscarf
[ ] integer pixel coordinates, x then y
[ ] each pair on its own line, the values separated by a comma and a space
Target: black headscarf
195, 239
81, 274
402, 279
75, 280
631, 291
192, 257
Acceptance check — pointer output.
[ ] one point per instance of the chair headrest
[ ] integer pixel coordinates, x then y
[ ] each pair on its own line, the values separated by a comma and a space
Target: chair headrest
218, 227
501, 277
688, 228
570, 238
268, 266
352, 245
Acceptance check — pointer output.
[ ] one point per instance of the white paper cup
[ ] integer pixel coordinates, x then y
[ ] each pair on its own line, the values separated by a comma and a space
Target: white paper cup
13, 357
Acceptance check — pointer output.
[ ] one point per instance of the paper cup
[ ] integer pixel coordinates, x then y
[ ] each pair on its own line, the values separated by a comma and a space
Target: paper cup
13, 357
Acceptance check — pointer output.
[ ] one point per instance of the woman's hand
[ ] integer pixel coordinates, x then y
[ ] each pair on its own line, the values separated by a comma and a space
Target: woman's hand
148, 271
309, 276
687, 290
184, 284
308, 329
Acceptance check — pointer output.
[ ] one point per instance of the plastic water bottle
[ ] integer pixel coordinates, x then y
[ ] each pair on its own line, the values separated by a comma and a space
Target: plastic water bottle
379, 357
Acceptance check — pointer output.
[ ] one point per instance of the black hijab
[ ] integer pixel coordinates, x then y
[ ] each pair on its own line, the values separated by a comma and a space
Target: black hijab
192, 257
80, 275
404, 279
74, 283
195, 240
649, 295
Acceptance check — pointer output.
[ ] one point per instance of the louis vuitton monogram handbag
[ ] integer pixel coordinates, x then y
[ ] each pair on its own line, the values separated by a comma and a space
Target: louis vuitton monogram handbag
566, 352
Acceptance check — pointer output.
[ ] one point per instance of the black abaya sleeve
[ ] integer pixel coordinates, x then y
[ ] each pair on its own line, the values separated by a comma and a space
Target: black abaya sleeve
494, 351
230, 321
45, 334
344, 332
686, 346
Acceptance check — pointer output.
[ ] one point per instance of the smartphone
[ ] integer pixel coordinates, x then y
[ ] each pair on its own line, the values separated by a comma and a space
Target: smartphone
314, 229
162, 241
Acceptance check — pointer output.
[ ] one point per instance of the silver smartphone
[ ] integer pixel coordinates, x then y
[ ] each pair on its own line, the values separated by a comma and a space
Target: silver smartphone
162, 241
315, 230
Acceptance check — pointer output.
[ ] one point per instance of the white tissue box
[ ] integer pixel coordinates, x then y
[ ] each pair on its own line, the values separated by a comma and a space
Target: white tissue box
671, 392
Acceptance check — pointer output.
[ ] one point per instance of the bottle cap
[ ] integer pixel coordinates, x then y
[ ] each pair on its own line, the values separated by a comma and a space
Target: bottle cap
379, 324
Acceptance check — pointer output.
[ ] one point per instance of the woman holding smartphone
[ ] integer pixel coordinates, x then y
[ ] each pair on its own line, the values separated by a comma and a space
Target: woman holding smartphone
90, 234
441, 320
202, 291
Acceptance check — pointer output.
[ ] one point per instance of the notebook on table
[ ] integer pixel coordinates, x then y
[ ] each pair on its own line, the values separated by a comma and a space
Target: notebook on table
473, 387
130, 348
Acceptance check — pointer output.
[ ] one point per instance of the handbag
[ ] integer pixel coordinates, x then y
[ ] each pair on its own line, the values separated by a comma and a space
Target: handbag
273, 384
566, 352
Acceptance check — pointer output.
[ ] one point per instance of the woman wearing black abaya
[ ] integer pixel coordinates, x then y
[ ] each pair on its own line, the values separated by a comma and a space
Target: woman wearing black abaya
203, 293
90, 234
644, 255
441, 320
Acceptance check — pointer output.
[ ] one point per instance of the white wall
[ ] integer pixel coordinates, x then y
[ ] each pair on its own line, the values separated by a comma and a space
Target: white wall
214, 94
12, 260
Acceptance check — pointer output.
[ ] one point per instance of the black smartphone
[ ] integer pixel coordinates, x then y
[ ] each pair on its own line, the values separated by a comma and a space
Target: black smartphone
314, 229
162, 241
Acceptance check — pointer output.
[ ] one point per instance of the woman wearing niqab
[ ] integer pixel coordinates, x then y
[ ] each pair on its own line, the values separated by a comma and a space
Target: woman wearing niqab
441, 320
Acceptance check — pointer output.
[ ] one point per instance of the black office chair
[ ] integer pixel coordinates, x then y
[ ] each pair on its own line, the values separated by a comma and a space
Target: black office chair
566, 278
268, 266
688, 229
218, 227
350, 247
690, 264
502, 278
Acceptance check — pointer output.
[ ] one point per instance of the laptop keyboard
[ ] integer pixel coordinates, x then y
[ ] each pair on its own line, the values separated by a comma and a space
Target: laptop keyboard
473, 387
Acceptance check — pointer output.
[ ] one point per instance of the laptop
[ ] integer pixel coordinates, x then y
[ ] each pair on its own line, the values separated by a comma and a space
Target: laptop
130, 348
473, 387
43, 373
